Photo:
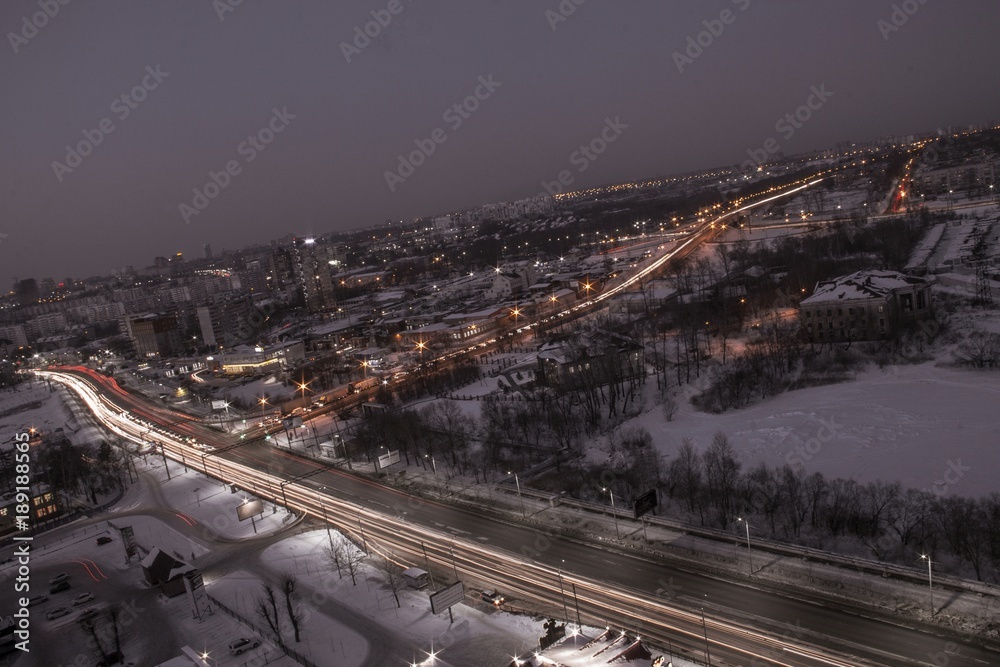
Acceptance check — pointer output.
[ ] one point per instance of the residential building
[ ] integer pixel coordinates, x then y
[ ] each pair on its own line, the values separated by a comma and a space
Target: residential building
593, 358
866, 305
227, 320
154, 334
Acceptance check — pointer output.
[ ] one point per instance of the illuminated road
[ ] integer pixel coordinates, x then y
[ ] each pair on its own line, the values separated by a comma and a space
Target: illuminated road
660, 601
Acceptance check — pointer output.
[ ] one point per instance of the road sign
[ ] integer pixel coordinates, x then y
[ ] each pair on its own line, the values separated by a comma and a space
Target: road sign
645, 503
446, 598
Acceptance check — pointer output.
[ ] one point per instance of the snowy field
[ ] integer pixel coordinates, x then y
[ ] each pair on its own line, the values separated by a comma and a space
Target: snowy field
908, 423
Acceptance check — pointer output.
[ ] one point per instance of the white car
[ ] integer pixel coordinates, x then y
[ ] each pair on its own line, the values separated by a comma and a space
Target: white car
58, 612
82, 598
243, 644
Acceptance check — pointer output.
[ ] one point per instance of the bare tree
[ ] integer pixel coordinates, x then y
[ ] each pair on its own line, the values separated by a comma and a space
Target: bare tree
266, 606
391, 573
292, 609
346, 554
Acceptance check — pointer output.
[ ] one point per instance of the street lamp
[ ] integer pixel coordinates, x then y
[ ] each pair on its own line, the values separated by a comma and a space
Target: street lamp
519, 498
749, 553
613, 512
562, 592
930, 580
263, 402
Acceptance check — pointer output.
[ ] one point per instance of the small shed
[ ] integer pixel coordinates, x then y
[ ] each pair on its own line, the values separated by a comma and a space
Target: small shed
416, 578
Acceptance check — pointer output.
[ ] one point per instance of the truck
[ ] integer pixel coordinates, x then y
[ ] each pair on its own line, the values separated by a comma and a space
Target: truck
361, 385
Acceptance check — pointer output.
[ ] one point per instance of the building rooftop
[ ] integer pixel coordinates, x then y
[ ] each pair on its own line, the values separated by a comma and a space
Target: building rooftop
861, 285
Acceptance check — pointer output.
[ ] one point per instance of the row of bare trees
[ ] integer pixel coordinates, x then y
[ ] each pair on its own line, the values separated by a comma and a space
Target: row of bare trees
878, 519
268, 606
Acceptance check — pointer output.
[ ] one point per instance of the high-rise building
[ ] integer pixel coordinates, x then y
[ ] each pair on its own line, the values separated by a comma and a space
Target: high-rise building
228, 320
154, 334
26, 291
207, 250
315, 264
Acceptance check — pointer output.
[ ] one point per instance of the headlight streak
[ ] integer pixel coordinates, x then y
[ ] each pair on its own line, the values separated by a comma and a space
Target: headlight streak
526, 577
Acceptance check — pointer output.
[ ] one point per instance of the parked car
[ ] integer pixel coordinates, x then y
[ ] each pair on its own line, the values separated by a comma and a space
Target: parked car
103, 540
58, 612
82, 598
493, 597
37, 599
243, 644
58, 588
59, 578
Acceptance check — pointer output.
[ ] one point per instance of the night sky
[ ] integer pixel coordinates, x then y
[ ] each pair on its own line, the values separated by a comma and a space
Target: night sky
208, 83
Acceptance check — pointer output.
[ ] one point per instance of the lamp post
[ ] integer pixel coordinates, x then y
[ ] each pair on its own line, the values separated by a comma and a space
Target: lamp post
613, 512
519, 498
562, 592
930, 580
704, 629
263, 403
749, 553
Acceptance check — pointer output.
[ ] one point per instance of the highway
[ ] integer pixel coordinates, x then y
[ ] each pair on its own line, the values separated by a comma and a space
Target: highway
657, 599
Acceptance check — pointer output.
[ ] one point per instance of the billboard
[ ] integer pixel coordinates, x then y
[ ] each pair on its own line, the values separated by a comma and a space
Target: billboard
446, 598
389, 459
219, 405
249, 509
645, 503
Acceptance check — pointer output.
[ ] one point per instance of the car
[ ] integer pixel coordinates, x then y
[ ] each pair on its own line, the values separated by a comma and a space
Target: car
37, 599
82, 598
59, 578
243, 644
58, 612
103, 540
493, 597
58, 588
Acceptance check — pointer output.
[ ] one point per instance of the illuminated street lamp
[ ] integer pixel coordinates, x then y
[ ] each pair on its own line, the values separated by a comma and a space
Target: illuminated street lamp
930, 580
263, 403
613, 512
519, 498
749, 554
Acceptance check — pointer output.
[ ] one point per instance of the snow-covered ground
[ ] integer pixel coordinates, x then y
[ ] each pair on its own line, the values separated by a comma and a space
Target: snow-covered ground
908, 423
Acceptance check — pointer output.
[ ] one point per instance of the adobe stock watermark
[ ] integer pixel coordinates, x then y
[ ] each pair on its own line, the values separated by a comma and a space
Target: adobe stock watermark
808, 450
223, 7
122, 107
697, 44
455, 116
363, 35
562, 12
787, 126
31, 25
585, 156
899, 17
248, 149
953, 474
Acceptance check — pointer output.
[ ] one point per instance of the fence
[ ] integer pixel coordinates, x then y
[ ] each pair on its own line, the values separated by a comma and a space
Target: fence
290, 652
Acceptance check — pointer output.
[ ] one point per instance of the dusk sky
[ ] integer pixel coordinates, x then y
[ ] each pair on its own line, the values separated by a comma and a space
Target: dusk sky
217, 81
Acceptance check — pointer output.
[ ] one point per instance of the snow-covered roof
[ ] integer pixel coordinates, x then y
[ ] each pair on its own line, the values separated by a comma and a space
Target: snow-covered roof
861, 285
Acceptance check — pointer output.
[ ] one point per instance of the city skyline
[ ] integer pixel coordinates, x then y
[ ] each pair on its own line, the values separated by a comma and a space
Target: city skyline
298, 119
